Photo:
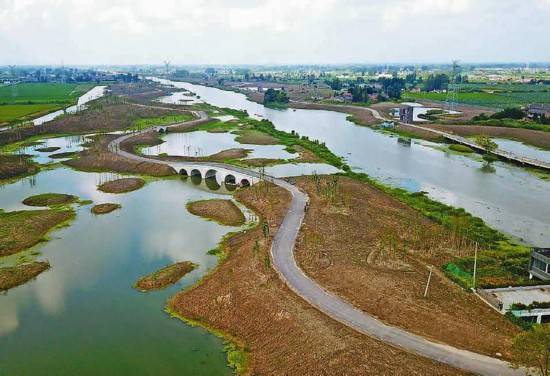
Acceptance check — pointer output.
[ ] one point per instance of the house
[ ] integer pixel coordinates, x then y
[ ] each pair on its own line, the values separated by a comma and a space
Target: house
538, 109
406, 114
538, 263
530, 303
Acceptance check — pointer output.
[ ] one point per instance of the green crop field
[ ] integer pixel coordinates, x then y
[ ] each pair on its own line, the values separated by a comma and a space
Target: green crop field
27, 101
13, 112
36, 93
498, 99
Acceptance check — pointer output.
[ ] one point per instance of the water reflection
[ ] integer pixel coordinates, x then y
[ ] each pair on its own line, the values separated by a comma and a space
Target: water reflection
88, 294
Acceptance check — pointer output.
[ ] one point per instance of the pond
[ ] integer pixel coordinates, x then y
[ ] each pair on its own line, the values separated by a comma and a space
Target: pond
509, 198
82, 316
67, 144
203, 144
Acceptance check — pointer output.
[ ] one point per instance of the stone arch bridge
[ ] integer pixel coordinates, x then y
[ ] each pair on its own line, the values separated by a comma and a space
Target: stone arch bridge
221, 173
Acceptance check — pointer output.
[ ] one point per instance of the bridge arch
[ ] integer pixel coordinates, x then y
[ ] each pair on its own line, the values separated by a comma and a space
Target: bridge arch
245, 182
210, 174
230, 179
195, 172
183, 172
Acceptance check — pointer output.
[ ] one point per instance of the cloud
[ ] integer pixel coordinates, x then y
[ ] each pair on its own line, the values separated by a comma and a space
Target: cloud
271, 31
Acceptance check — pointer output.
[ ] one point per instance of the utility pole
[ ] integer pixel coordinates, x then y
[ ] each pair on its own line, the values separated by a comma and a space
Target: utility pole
428, 282
475, 266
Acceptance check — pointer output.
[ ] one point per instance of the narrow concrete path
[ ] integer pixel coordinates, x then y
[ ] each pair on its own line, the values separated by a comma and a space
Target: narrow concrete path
282, 252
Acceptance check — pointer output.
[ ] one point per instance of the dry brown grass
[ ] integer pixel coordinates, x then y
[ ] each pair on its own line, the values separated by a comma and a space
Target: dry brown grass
17, 275
164, 277
374, 251
224, 212
16, 165
286, 336
105, 208
22, 229
122, 185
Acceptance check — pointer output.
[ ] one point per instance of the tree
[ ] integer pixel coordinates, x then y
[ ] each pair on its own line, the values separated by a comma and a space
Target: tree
436, 82
486, 143
335, 83
532, 349
509, 113
275, 96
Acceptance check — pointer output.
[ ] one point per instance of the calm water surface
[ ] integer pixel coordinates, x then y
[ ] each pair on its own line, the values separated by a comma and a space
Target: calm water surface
520, 148
82, 317
509, 198
202, 144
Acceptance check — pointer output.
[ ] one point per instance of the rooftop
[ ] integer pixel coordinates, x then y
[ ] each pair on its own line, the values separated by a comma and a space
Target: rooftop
526, 295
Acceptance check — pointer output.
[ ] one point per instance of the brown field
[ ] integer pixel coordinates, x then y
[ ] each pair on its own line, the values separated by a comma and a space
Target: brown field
164, 277
122, 185
22, 229
105, 208
224, 212
359, 114
285, 336
375, 251
254, 137
17, 275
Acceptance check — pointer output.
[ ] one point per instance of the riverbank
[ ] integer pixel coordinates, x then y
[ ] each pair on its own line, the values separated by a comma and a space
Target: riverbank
245, 298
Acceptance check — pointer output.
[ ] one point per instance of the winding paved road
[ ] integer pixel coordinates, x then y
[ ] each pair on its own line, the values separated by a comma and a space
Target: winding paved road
282, 251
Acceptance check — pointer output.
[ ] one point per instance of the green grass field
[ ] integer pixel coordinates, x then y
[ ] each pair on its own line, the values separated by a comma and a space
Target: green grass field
27, 101
497, 99
13, 112
37, 93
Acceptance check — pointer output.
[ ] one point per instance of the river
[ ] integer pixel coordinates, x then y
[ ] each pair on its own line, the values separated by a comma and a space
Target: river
508, 198
92, 94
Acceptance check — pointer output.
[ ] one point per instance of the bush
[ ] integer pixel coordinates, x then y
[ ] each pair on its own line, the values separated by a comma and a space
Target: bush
461, 148
509, 113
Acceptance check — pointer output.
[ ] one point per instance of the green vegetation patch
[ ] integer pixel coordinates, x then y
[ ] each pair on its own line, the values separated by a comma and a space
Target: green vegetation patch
34, 93
48, 149
50, 199
166, 276
461, 148
255, 137
22, 229
17, 275
144, 123
12, 112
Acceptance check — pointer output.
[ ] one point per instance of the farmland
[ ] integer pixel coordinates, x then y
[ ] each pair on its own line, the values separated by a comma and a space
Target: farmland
497, 96
25, 101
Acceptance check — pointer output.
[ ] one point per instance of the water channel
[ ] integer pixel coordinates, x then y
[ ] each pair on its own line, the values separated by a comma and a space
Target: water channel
510, 198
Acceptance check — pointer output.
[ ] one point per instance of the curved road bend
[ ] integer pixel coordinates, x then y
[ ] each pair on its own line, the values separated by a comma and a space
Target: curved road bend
282, 251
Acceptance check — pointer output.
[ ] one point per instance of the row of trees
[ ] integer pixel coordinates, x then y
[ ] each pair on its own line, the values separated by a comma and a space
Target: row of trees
275, 96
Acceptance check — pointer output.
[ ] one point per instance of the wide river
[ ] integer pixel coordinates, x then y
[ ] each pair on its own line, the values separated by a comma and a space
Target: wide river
508, 198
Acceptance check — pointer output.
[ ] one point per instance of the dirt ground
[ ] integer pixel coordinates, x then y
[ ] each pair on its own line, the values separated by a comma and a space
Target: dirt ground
104, 208
224, 212
285, 336
540, 139
374, 251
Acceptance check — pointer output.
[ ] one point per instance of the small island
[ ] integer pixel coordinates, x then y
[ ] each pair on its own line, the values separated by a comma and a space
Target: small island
166, 276
50, 199
122, 185
224, 212
105, 208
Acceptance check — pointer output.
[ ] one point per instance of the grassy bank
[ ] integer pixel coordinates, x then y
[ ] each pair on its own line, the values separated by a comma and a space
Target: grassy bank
502, 261
224, 212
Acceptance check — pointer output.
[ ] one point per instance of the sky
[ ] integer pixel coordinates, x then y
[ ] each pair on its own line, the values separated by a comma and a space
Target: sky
111, 32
